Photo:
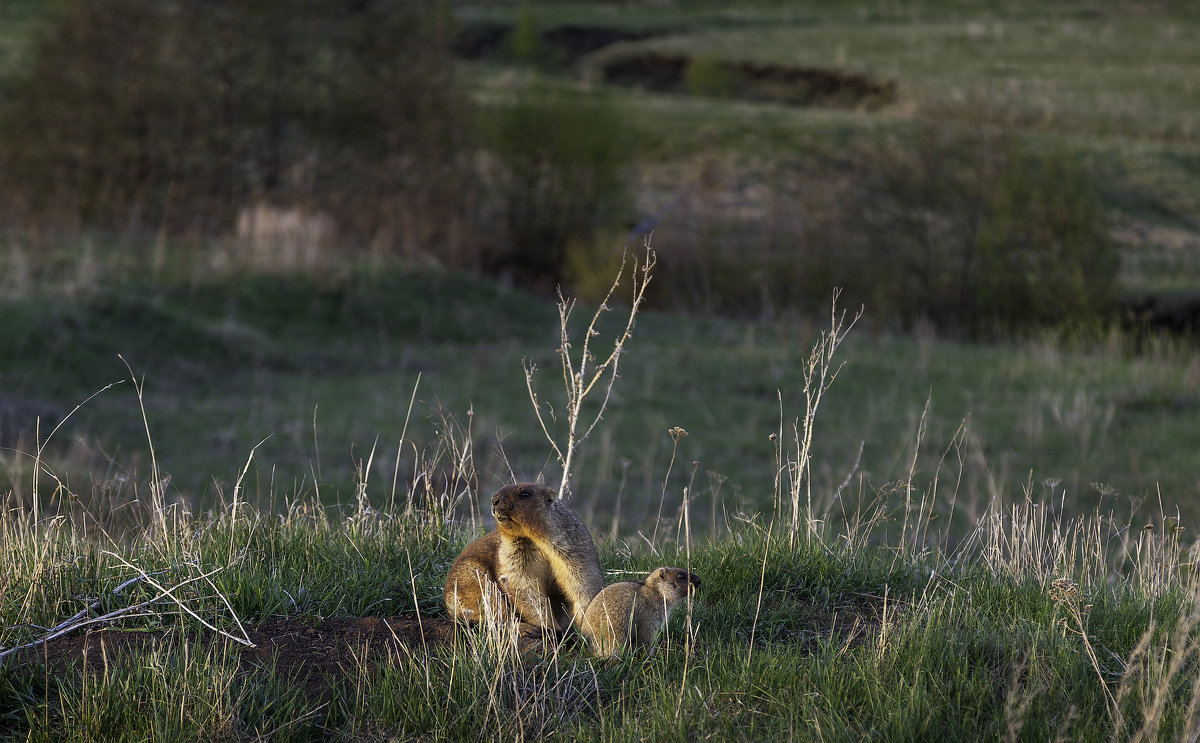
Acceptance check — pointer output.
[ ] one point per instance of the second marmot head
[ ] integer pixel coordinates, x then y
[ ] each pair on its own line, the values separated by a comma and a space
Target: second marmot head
673, 584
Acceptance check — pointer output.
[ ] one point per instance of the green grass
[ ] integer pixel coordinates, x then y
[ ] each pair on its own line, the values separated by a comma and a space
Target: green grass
1087, 68
18, 18
917, 615
830, 639
1102, 76
312, 374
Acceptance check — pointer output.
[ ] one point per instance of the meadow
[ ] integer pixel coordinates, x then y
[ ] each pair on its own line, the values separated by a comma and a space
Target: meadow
230, 490
312, 374
924, 592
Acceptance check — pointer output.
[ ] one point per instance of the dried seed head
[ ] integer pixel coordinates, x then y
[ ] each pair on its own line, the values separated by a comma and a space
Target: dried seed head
1065, 590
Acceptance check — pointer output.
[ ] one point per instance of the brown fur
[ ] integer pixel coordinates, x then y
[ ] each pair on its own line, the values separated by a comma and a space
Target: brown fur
540, 563
631, 613
472, 578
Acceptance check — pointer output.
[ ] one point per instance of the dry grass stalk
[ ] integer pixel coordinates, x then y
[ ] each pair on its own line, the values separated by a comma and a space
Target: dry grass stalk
819, 374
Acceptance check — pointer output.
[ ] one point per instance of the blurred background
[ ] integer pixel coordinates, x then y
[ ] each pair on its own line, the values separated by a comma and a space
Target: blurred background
317, 229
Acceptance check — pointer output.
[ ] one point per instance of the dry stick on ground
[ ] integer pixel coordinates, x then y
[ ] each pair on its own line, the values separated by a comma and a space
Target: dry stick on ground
170, 593
78, 622
74, 622
580, 378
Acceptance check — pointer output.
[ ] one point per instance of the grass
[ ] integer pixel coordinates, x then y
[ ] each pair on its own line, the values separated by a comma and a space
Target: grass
17, 19
923, 609
998, 543
1087, 69
312, 374
816, 637
1102, 76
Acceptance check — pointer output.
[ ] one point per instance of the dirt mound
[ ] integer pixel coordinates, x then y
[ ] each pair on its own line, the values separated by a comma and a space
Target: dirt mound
800, 86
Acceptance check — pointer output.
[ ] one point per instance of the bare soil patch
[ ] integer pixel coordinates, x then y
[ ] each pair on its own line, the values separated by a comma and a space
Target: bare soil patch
797, 86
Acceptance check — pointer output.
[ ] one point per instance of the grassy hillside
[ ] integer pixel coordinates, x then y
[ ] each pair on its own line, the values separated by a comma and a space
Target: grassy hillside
312, 373
1111, 85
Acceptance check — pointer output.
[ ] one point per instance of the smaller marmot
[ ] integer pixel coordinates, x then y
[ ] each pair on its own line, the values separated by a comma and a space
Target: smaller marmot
472, 592
540, 563
631, 613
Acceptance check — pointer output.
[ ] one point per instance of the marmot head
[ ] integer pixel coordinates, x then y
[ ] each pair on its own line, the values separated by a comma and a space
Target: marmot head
526, 504
673, 583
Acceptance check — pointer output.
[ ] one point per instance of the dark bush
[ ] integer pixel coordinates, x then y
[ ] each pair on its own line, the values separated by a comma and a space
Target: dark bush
150, 113
977, 235
563, 176
970, 233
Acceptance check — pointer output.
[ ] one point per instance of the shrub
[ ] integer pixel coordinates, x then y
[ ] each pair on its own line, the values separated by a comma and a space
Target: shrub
145, 112
563, 159
969, 233
524, 44
977, 235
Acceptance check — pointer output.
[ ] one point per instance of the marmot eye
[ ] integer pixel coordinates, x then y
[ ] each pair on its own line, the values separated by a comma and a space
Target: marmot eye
524, 493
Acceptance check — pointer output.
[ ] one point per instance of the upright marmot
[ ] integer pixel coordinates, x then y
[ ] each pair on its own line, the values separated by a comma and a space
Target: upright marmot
540, 563
631, 613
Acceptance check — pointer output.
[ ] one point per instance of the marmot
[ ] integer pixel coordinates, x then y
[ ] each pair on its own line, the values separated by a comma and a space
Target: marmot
631, 613
472, 577
540, 563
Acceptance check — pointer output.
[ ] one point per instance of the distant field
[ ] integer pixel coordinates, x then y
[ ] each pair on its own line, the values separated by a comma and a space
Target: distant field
320, 371
1103, 76
319, 368
1097, 69
1112, 84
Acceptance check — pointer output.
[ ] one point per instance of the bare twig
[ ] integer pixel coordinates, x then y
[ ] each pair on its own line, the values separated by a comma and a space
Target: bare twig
77, 621
582, 376
170, 593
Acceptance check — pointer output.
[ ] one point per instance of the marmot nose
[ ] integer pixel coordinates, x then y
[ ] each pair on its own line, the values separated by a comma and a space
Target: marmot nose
695, 581
495, 500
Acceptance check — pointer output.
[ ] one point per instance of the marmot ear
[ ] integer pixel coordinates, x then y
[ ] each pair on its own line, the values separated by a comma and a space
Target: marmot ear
550, 495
